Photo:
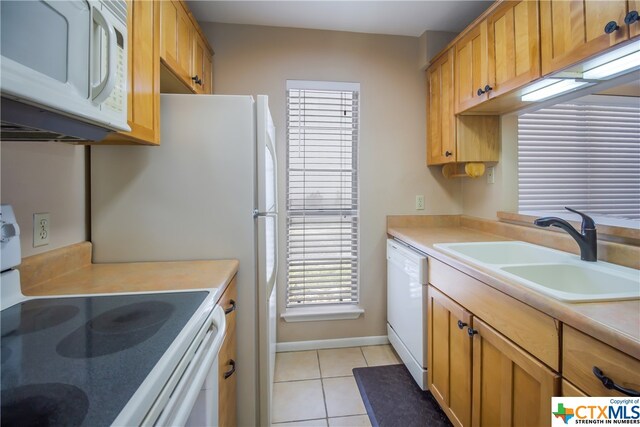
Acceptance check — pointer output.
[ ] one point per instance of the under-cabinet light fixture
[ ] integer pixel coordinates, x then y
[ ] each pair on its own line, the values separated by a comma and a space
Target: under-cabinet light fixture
610, 69
553, 88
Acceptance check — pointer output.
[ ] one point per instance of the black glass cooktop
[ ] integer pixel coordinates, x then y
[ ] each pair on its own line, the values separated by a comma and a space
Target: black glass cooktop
77, 361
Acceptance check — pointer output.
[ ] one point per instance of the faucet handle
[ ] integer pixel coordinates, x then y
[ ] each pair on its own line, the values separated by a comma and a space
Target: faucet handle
587, 222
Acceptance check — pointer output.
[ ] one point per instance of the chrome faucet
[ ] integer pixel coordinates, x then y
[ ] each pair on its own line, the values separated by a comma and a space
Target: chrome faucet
586, 239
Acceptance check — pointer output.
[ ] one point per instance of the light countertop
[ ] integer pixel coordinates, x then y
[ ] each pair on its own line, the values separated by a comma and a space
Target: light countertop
617, 322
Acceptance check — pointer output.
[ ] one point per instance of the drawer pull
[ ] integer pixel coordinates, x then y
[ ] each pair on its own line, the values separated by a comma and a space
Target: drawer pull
471, 331
611, 385
230, 309
631, 17
612, 26
232, 370
461, 324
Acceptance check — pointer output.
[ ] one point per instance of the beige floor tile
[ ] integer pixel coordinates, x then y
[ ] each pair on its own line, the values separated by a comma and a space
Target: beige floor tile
342, 397
310, 423
353, 421
298, 365
297, 400
378, 355
338, 362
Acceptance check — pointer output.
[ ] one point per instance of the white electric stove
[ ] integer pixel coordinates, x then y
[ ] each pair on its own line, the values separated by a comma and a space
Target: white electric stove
105, 359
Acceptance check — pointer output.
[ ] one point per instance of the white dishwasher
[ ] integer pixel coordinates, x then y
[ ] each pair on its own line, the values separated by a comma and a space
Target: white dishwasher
407, 307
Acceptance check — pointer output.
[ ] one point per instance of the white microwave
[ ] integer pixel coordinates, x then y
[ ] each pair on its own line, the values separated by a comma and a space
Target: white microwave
63, 69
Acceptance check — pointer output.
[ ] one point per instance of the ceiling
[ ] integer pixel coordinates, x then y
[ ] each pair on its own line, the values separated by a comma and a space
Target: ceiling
406, 18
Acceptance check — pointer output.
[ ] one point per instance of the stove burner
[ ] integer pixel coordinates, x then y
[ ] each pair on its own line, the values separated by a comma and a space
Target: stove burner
36, 315
52, 404
116, 330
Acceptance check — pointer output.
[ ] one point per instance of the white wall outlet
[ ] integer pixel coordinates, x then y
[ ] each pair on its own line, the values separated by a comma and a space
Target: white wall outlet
491, 175
41, 223
420, 203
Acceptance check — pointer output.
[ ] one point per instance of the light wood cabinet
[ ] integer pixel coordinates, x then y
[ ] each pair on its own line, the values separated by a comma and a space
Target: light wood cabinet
472, 68
514, 46
227, 366
452, 138
582, 353
449, 357
634, 28
569, 390
510, 387
574, 30
143, 86
183, 49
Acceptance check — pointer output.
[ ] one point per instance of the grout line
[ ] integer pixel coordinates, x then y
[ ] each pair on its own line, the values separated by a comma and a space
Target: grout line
324, 396
294, 381
364, 357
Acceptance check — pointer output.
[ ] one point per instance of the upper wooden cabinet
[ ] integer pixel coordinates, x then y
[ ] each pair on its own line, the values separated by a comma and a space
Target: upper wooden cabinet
143, 86
183, 49
472, 68
575, 30
514, 46
451, 138
634, 27
440, 117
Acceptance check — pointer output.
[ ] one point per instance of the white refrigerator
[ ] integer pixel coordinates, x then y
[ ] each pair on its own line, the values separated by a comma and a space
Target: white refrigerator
207, 192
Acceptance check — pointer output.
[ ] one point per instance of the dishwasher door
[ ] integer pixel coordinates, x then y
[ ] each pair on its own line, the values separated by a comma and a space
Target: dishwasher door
406, 307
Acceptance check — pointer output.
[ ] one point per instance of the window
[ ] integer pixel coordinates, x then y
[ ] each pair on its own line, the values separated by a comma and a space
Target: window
322, 193
585, 155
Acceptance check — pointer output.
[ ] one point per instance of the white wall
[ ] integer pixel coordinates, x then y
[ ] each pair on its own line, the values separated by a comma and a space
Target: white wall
45, 177
259, 60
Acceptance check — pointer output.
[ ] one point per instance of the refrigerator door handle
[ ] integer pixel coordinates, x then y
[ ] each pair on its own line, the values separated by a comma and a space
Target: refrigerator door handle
257, 213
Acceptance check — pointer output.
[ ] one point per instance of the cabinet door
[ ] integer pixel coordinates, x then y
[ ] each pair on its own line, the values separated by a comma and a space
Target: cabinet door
471, 68
440, 118
449, 356
514, 46
510, 387
143, 86
207, 79
176, 39
197, 71
574, 30
634, 29
227, 375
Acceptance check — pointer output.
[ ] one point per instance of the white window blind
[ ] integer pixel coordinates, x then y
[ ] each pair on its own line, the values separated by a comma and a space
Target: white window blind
585, 155
322, 193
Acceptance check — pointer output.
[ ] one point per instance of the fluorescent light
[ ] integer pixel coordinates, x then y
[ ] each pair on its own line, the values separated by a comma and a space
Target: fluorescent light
555, 88
617, 66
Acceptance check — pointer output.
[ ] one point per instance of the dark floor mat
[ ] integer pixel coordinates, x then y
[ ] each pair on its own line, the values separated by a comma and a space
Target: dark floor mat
393, 399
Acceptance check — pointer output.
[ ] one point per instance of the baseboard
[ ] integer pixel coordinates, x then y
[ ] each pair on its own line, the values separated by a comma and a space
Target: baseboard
282, 347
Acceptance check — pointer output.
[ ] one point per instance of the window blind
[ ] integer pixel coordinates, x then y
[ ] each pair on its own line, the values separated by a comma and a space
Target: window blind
584, 155
322, 196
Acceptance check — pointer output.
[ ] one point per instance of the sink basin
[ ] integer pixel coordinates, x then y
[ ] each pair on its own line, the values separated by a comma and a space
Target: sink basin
578, 283
504, 252
558, 274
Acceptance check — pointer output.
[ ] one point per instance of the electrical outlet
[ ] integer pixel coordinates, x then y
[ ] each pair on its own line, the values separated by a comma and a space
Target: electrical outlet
491, 175
41, 223
420, 202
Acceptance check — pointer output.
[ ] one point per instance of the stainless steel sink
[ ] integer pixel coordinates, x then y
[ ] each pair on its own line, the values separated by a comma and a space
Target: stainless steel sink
558, 274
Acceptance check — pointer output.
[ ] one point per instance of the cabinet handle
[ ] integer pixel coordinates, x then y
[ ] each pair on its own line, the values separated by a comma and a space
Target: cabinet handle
448, 154
471, 331
488, 89
611, 27
197, 80
631, 17
232, 370
461, 324
610, 384
230, 309
480, 91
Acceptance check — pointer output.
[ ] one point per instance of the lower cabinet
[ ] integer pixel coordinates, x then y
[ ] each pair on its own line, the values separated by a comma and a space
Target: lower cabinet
449, 357
510, 387
227, 375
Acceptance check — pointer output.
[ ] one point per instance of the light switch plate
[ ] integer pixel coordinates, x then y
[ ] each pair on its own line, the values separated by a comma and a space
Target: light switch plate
41, 223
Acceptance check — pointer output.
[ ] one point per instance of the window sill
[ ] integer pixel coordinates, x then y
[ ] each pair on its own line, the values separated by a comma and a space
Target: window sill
314, 314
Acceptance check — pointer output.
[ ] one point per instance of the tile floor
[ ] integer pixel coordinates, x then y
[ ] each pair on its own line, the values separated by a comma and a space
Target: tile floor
317, 388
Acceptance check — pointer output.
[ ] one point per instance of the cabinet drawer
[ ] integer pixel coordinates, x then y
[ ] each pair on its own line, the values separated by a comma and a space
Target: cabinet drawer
569, 390
227, 382
580, 353
531, 329
228, 302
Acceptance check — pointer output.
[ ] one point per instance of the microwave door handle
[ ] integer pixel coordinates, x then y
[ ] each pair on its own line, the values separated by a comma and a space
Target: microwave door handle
102, 90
